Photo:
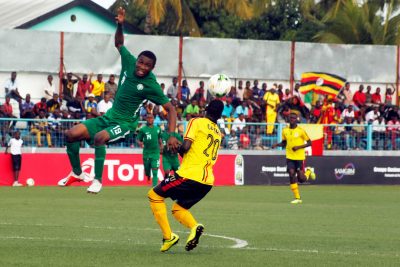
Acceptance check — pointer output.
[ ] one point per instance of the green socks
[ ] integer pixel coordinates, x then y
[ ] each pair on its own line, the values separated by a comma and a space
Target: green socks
155, 177
100, 155
74, 159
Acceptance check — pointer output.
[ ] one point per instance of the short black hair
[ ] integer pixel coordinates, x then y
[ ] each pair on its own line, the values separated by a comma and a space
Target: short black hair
150, 55
214, 109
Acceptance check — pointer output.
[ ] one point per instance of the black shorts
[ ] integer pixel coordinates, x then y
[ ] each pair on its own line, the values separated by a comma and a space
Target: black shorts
296, 165
16, 161
186, 192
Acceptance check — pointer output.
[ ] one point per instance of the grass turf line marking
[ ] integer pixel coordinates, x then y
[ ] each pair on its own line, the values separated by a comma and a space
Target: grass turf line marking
239, 243
135, 242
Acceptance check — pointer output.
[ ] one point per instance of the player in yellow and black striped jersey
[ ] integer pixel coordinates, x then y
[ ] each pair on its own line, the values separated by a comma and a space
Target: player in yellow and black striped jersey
295, 139
193, 180
198, 162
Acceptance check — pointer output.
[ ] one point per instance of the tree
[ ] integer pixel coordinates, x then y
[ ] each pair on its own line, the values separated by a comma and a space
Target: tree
362, 24
177, 16
279, 21
215, 22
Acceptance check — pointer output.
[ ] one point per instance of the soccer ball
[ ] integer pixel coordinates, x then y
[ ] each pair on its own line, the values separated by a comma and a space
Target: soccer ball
30, 182
219, 85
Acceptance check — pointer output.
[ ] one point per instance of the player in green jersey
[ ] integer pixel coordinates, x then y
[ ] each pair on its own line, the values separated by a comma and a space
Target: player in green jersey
149, 137
170, 160
136, 85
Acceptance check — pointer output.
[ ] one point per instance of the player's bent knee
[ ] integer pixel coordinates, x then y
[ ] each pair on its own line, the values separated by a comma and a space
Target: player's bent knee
100, 139
176, 208
70, 136
154, 197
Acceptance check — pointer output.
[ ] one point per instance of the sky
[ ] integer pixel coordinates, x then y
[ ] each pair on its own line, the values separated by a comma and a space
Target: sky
104, 3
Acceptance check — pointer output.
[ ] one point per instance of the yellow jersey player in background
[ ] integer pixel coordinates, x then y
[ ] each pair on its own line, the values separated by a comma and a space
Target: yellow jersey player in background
295, 139
192, 181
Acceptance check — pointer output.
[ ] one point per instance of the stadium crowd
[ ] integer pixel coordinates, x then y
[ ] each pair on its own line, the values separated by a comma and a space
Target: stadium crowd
345, 117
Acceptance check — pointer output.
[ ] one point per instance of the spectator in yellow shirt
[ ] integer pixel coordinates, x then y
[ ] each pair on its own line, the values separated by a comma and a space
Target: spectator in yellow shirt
272, 101
98, 87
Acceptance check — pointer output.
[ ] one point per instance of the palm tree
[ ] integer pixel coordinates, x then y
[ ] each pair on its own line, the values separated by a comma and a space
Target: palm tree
177, 13
320, 11
362, 24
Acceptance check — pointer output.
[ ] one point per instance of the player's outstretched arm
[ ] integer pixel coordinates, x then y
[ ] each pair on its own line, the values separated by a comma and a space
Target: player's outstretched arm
172, 143
119, 35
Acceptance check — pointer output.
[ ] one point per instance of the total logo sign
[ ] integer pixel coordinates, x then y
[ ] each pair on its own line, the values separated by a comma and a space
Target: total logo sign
115, 171
348, 169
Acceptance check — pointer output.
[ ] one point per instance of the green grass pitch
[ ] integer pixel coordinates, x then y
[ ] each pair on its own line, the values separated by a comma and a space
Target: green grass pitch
245, 226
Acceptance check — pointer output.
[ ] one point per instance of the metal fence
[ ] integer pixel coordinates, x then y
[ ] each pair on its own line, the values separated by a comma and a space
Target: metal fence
247, 136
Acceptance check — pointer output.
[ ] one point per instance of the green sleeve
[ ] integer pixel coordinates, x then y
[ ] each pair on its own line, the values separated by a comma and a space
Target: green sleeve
126, 58
140, 135
156, 95
159, 133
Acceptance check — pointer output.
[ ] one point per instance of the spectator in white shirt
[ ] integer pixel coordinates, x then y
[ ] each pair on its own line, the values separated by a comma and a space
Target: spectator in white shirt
11, 87
239, 123
240, 90
379, 132
172, 90
372, 115
348, 112
104, 104
233, 141
296, 91
15, 145
49, 88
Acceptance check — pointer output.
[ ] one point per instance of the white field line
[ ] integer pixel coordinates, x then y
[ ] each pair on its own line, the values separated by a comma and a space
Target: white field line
239, 243
135, 242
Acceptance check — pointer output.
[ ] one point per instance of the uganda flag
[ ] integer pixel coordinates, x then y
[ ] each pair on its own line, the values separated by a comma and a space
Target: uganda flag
316, 134
321, 83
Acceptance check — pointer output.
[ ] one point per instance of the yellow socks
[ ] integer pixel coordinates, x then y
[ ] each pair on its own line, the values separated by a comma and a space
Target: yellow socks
183, 216
159, 209
295, 190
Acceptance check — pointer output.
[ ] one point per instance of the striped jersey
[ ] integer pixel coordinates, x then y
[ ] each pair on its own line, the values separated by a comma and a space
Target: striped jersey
197, 163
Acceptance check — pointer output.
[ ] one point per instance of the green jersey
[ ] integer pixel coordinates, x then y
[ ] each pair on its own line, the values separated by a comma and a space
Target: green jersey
150, 136
165, 137
133, 91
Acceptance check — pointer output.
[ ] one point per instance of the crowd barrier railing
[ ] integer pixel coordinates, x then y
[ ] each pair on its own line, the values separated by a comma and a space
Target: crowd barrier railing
245, 136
